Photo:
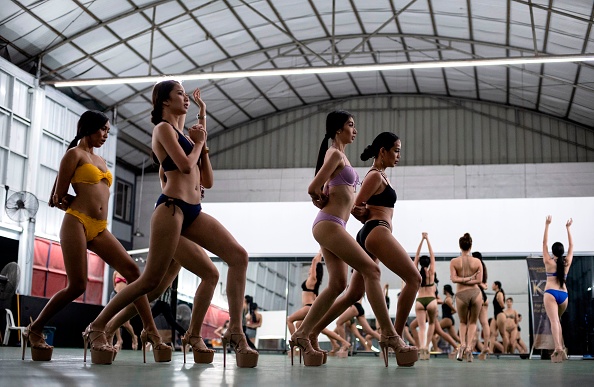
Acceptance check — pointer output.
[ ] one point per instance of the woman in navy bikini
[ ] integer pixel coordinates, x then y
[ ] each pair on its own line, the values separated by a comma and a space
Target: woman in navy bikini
178, 213
555, 296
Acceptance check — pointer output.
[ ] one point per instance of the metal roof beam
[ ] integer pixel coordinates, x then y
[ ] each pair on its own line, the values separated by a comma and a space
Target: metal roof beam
101, 24
285, 32
377, 30
577, 74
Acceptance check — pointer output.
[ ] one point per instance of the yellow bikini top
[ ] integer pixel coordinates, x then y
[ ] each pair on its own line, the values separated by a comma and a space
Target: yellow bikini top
91, 174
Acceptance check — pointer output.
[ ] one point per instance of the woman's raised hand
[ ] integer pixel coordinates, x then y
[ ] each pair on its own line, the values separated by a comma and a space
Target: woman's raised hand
197, 133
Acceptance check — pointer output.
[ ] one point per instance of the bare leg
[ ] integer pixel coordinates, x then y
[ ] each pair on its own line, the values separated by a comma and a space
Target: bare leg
299, 315
74, 250
354, 293
382, 244
422, 322
483, 318
367, 328
554, 313
213, 236
348, 314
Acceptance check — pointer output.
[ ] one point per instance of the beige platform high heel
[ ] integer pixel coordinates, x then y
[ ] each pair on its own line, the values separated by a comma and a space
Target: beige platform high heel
102, 354
202, 354
161, 351
316, 346
40, 350
244, 355
406, 355
311, 357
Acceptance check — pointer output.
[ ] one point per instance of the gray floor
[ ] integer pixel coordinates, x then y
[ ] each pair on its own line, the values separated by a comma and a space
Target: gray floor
68, 369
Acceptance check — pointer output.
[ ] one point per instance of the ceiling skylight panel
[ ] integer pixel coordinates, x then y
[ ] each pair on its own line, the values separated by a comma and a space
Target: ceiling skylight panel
63, 54
204, 52
456, 51
492, 83
164, 11
345, 22
184, 31
73, 71
521, 26
108, 9
97, 40
430, 81
130, 25
451, 21
461, 82
416, 19
267, 35
19, 29
117, 59
567, 35
375, 15
62, 15
400, 81
370, 83
237, 43
220, 24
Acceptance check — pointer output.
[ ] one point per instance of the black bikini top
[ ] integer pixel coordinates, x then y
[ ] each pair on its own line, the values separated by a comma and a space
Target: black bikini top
386, 198
315, 290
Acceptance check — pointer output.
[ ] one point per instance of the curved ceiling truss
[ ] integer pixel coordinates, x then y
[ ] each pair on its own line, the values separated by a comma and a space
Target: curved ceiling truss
72, 39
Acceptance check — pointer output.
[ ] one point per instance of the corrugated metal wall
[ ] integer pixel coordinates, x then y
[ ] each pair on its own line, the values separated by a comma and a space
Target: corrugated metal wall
434, 131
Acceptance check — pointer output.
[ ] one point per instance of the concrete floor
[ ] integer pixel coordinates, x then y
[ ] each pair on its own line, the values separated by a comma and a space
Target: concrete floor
68, 369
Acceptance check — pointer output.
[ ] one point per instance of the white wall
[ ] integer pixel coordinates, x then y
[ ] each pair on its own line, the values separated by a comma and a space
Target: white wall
497, 226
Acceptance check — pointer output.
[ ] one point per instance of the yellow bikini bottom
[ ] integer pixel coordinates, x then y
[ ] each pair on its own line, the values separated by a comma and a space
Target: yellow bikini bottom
92, 226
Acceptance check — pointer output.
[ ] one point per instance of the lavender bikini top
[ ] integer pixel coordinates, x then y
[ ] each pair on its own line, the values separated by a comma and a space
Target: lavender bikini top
346, 176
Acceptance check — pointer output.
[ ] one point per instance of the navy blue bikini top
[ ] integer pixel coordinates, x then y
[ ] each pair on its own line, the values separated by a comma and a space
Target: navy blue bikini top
386, 198
168, 164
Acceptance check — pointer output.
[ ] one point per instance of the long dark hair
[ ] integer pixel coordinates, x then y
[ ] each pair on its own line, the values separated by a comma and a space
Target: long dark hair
424, 261
334, 122
498, 283
465, 242
558, 251
319, 276
478, 255
161, 94
447, 288
88, 123
383, 140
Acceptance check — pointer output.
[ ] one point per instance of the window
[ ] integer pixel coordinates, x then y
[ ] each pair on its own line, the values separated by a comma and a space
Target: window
123, 201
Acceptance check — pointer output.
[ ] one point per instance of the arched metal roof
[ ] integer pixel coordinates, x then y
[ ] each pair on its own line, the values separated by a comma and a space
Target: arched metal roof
75, 39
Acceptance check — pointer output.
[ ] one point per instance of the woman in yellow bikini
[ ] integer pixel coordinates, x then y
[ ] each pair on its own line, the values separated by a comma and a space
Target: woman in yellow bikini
85, 227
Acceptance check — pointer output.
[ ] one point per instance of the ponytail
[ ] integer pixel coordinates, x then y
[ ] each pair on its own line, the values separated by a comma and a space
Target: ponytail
334, 122
161, 94
88, 123
558, 251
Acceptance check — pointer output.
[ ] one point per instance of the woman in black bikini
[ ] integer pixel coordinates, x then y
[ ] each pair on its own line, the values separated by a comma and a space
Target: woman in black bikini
374, 206
498, 321
426, 305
